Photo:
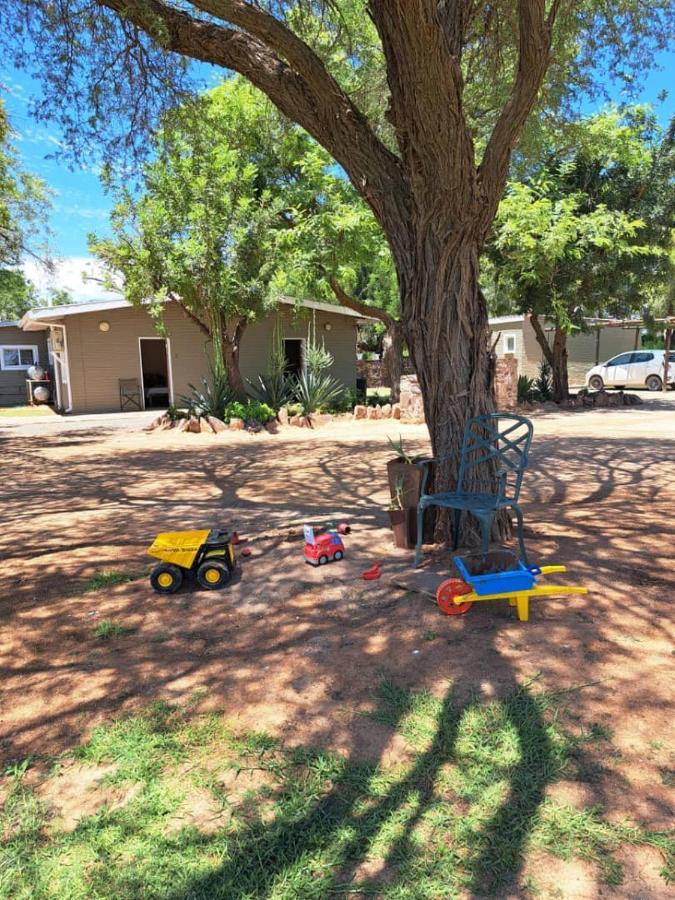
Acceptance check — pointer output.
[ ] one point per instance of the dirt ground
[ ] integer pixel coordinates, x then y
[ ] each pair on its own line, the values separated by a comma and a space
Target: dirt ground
297, 650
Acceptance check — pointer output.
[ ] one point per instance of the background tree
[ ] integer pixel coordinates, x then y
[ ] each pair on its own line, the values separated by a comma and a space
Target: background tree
24, 203
581, 236
462, 79
203, 229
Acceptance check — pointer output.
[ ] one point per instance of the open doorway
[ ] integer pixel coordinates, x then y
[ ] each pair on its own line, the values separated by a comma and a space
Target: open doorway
155, 372
294, 351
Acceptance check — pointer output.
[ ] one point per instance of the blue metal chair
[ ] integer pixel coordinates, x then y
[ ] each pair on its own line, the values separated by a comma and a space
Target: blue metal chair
497, 443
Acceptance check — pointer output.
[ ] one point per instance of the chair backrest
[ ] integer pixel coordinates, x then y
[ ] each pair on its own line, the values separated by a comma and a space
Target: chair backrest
130, 392
495, 444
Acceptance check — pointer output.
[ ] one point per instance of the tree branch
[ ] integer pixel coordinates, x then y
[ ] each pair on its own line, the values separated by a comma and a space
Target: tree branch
542, 340
287, 70
535, 30
352, 303
188, 312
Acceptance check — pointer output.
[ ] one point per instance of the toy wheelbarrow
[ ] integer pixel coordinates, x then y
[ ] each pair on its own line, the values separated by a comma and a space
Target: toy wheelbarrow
498, 575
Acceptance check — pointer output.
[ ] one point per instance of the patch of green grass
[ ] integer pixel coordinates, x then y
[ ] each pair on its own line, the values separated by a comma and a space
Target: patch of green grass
108, 629
105, 578
430, 635
459, 816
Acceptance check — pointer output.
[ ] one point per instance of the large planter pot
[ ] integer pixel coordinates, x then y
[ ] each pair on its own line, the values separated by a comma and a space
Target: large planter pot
411, 488
409, 475
404, 527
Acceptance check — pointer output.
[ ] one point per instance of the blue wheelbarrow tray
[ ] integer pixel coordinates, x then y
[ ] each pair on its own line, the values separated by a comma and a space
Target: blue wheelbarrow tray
496, 572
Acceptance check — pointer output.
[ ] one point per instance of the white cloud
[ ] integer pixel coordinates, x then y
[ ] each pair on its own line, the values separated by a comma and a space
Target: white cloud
80, 275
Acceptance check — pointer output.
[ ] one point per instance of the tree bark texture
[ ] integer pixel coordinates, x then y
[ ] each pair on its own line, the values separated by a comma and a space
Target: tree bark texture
231, 335
434, 203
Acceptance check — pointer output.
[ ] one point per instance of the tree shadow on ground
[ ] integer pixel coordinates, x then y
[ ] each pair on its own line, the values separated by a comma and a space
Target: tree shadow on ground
343, 830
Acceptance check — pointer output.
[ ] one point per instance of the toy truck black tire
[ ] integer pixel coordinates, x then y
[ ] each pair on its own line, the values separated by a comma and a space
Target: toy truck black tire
166, 578
213, 574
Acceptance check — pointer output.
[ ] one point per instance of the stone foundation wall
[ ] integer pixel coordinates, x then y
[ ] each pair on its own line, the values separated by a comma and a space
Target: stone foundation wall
506, 383
411, 403
371, 370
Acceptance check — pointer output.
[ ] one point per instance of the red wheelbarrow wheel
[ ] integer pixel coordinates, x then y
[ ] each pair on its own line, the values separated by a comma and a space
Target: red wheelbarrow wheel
446, 593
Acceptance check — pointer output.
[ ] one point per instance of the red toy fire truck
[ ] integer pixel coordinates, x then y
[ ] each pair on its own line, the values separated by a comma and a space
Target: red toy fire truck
322, 548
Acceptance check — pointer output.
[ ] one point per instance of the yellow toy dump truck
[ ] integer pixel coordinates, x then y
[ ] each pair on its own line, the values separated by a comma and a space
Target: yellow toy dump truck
207, 554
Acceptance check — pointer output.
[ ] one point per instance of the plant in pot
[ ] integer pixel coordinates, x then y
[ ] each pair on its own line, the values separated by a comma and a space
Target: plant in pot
402, 519
409, 469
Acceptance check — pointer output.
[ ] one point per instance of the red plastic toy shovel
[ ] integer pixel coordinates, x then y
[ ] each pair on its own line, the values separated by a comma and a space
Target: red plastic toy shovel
373, 572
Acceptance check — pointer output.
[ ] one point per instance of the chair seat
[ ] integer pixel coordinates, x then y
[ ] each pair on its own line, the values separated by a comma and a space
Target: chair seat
455, 500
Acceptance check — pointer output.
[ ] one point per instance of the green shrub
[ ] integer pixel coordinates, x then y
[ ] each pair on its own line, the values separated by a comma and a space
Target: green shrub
346, 402
252, 411
210, 399
275, 389
543, 384
525, 389
315, 393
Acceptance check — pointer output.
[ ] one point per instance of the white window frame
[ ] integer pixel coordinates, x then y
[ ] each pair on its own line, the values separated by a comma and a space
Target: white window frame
510, 335
19, 347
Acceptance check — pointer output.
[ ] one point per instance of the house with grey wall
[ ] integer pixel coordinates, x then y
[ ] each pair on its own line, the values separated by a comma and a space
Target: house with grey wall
515, 336
19, 351
96, 347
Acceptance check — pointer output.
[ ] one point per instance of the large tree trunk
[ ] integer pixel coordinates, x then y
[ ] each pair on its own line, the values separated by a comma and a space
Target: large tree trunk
230, 342
450, 350
555, 355
392, 358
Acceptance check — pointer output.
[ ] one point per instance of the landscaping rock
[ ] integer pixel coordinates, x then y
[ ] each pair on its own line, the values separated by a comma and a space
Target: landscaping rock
272, 427
205, 426
396, 411
182, 425
295, 420
386, 411
193, 425
374, 412
360, 412
156, 423
217, 424
236, 424
283, 416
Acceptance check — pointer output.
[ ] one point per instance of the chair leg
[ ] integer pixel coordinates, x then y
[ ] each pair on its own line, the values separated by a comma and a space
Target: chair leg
456, 519
485, 530
420, 529
521, 539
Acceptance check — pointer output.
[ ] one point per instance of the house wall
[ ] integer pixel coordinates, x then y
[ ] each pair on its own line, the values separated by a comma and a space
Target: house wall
99, 359
13, 381
581, 348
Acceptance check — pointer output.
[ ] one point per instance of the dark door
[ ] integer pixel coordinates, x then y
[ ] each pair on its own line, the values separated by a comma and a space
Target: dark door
294, 354
155, 370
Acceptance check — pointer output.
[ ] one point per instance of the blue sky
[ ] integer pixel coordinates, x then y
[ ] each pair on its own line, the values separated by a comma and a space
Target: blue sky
80, 206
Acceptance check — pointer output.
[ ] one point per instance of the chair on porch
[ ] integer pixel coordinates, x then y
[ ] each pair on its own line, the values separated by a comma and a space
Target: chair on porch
497, 441
130, 394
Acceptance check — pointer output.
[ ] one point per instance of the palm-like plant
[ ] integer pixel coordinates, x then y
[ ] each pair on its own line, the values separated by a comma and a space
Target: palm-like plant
316, 392
209, 400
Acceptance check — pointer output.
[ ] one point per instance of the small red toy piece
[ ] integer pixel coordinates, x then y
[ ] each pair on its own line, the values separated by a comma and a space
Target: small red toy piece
344, 528
373, 573
446, 593
322, 548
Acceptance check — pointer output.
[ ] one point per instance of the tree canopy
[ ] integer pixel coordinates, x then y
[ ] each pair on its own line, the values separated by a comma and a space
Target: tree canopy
24, 201
238, 207
429, 154
586, 233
